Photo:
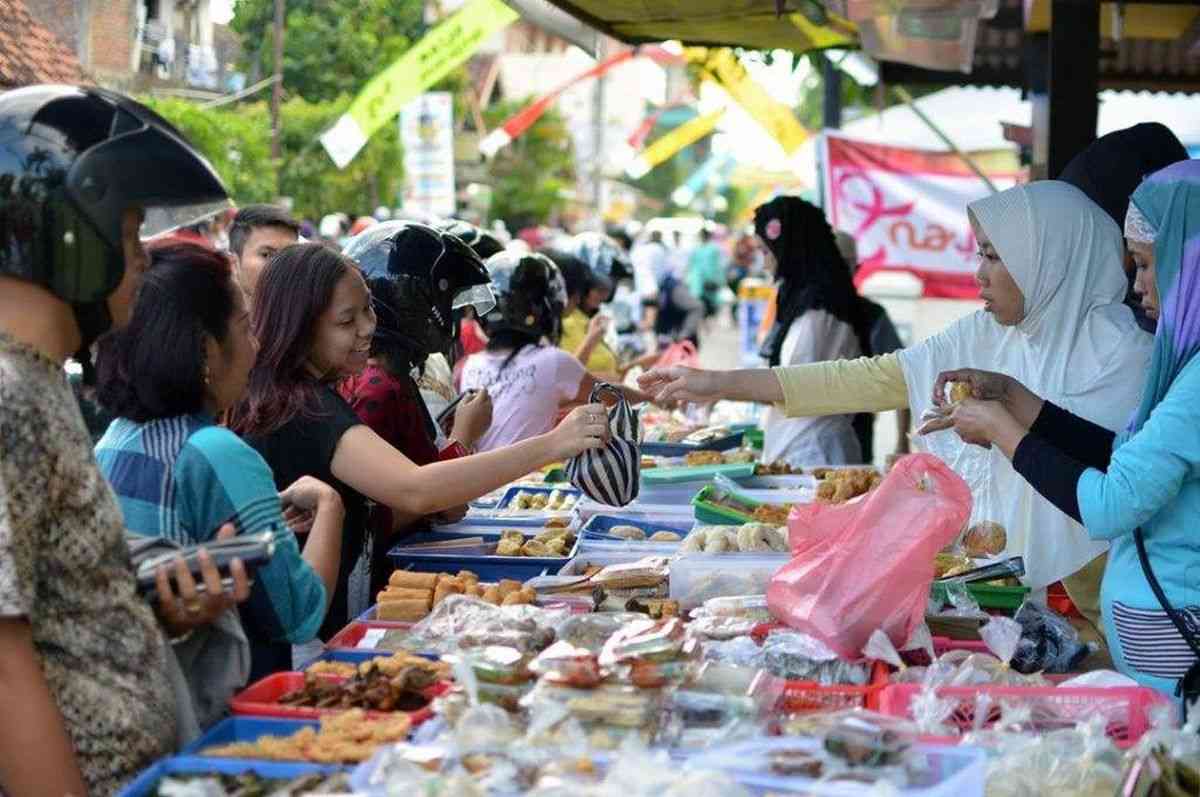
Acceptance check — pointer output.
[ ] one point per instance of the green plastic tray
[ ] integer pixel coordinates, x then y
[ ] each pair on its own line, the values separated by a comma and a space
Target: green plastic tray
754, 438
708, 512
697, 474
989, 596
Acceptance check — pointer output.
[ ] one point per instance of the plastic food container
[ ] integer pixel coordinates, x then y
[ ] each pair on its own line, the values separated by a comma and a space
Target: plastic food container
146, 782
696, 577
480, 559
371, 616
701, 473
648, 509
262, 700
804, 697
358, 637
949, 771
354, 657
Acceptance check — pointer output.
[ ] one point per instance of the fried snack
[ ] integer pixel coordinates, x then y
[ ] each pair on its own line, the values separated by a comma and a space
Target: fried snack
696, 459
508, 585
401, 659
840, 486
492, 595
753, 537
557, 523
467, 576
403, 594
776, 469
337, 669
557, 533
520, 597
509, 547
533, 548
665, 536
627, 532
403, 611
410, 580
985, 539
951, 564
772, 514
350, 737
959, 391
445, 588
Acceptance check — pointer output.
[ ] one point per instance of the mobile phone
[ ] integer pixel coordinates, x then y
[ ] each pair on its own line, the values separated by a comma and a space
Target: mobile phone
445, 415
253, 550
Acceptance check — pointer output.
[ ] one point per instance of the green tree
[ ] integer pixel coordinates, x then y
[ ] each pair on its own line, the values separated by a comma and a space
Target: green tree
237, 141
331, 47
530, 175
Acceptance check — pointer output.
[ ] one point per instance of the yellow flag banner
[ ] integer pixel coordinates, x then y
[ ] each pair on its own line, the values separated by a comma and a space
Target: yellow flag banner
667, 146
723, 67
447, 45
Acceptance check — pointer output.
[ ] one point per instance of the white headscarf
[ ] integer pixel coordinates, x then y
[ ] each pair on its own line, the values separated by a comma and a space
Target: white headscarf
1078, 346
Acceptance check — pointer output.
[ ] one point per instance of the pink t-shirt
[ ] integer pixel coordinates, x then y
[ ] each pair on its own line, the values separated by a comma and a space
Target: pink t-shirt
526, 395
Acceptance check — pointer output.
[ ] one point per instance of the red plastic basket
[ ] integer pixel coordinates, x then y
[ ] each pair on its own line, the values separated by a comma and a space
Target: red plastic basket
1124, 709
805, 697
349, 637
262, 700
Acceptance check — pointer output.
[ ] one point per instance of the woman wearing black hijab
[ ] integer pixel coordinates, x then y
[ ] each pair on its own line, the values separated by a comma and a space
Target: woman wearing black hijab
1112, 168
819, 316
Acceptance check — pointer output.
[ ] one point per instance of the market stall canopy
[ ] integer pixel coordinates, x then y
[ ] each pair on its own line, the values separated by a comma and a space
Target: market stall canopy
754, 24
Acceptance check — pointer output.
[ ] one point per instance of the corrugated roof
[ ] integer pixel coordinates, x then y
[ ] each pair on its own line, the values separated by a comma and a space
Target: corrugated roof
29, 53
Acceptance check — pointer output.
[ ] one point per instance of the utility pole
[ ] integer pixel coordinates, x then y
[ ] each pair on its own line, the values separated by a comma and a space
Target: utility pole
277, 97
598, 126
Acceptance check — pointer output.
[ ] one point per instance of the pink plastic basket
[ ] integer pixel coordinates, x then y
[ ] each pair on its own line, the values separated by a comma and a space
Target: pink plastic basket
805, 697
1124, 709
943, 645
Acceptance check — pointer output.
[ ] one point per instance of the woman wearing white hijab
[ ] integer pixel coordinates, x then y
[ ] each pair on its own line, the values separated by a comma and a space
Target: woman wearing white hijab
1051, 277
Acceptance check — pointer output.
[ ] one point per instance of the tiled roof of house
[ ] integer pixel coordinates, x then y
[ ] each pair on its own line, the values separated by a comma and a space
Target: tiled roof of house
31, 54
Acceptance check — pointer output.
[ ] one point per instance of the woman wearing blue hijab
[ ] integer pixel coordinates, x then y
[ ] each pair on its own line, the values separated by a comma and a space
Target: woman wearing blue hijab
1139, 489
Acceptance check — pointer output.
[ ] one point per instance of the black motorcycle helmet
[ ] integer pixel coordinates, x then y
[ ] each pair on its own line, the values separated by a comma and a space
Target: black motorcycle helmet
418, 277
480, 240
72, 161
604, 257
530, 296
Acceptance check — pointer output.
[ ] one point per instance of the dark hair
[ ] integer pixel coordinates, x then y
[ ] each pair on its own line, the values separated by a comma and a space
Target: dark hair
154, 367
251, 217
705, 234
514, 339
576, 274
294, 290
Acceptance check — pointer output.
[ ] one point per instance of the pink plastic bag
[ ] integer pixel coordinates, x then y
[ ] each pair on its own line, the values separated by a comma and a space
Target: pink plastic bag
868, 564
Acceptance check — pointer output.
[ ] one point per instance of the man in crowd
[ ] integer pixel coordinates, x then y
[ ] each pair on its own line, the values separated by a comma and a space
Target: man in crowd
258, 232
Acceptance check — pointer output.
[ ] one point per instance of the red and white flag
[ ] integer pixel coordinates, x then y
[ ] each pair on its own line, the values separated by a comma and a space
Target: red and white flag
907, 209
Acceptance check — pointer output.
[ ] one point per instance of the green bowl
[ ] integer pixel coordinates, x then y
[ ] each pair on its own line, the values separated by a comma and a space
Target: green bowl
989, 596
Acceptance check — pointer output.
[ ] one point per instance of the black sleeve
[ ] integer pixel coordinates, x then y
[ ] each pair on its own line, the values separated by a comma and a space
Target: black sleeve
1081, 439
1051, 471
334, 418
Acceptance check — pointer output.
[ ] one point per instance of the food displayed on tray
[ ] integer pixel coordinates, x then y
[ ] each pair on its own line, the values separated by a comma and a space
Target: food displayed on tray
411, 596
249, 784
839, 485
375, 687
556, 541
747, 538
635, 534
699, 459
554, 501
392, 665
350, 737
776, 469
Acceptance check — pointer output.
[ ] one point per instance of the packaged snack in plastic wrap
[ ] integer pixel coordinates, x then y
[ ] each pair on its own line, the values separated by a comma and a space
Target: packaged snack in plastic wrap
1049, 643
647, 640
1002, 637
644, 573
817, 725
739, 652
496, 664
1166, 760
799, 657
722, 628
464, 622
564, 663
1072, 762
591, 631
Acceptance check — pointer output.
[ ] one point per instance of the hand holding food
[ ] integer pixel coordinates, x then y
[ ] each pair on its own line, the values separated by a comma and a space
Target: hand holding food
967, 383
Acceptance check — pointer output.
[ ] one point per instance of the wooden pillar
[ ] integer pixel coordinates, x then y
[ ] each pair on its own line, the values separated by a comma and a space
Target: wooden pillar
1074, 80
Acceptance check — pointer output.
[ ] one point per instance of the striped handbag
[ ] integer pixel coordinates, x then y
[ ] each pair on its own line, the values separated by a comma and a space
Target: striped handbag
610, 475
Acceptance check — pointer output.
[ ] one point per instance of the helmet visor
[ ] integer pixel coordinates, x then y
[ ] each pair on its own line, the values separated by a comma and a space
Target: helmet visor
160, 220
481, 297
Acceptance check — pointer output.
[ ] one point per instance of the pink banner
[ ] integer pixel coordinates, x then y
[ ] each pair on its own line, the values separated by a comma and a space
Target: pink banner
906, 209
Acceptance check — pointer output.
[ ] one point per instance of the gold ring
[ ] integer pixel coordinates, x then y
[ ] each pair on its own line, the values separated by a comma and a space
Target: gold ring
194, 606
